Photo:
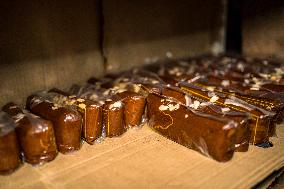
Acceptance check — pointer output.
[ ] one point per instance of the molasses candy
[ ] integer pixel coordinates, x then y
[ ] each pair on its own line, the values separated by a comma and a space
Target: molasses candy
113, 117
36, 135
134, 107
9, 147
66, 120
197, 104
212, 136
91, 112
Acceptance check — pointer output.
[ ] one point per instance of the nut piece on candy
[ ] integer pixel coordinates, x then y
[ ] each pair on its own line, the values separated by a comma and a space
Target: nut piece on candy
113, 112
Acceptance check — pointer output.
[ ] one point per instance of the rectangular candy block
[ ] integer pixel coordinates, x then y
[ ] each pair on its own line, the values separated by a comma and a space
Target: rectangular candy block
212, 136
91, 112
66, 120
9, 146
36, 135
197, 104
261, 119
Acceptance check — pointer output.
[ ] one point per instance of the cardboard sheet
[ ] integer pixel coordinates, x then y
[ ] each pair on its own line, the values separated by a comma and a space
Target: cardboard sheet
46, 44
137, 32
142, 158
263, 28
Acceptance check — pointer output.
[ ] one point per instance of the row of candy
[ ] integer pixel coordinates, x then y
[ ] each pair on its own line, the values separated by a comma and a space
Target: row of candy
214, 105
56, 121
245, 97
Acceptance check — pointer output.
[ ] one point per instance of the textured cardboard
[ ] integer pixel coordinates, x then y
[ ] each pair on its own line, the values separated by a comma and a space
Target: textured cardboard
52, 43
47, 44
263, 28
142, 158
136, 32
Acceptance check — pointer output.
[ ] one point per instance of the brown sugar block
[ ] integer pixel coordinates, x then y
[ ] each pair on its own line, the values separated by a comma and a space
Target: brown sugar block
242, 129
212, 136
259, 125
134, 107
113, 113
260, 92
92, 121
263, 100
91, 112
9, 147
269, 101
36, 135
67, 122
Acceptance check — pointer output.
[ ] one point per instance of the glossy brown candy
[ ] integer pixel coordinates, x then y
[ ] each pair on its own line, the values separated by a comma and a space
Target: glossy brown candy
242, 129
92, 119
9, 147
67, 122
92, 126
112, 109
134, 107
113, 113
269, 101
251, 86
269, 104
36, 135
261, 119
212, 136
256, 87
91, 112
